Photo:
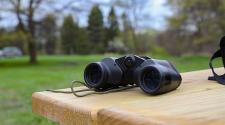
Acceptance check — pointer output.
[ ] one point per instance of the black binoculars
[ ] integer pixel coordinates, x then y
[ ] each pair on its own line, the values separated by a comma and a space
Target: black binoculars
151, 75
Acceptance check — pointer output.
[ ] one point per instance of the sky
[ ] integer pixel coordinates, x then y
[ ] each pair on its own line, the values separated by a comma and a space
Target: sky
155, 12
159, 11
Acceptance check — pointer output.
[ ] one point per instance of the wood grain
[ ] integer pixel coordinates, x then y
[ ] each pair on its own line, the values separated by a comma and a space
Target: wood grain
196, 101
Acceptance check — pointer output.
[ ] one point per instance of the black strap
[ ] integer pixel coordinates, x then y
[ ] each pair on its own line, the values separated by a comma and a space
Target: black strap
218, 78
219, 53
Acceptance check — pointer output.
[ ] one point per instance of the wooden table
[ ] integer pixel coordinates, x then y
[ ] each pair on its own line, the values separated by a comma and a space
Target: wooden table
196, 101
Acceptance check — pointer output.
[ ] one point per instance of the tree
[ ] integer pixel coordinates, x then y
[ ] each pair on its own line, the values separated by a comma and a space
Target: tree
69, 34
113, 29
13, 38
136, 11
96, 30
137, 15
197, 25
26, 21
83, 46
48, 31
127, 34
26, 13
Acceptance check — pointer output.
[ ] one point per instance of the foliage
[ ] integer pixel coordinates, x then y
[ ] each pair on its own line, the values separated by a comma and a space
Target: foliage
96, 30
113, 29
82, 46
69, 34
14, 38
48, 31
144, 42
196, 25
157, 50
117, 46
127, 34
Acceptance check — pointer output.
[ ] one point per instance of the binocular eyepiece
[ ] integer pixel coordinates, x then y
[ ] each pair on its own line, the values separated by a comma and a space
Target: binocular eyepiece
152, 76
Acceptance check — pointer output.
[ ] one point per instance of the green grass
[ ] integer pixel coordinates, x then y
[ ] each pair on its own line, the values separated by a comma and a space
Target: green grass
18, 80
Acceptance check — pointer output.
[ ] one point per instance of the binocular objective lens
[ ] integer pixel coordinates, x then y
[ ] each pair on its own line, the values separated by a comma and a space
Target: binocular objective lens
150, 79
93, 74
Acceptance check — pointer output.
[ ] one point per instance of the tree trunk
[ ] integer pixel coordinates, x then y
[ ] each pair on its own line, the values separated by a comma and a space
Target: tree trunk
31, 42
27, 24
32, 52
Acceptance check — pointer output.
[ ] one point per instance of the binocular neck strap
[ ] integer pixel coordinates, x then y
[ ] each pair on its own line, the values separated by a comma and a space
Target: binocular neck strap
219, 53
88, 91
83, 92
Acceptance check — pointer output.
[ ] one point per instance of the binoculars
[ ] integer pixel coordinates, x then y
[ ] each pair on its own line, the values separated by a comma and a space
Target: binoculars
151, 75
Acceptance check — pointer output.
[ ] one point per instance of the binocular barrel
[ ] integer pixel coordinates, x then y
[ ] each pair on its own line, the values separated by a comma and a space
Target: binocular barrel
152, 76
158, 78
103, 75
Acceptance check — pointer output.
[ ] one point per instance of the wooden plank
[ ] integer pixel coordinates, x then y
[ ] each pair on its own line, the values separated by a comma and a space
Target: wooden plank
196, 101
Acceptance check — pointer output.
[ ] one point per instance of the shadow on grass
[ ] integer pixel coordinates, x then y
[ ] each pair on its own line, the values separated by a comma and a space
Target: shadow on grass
26, 64
14, 63
62, 60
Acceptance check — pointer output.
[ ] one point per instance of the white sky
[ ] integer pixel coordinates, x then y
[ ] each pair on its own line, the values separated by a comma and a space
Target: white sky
156, 9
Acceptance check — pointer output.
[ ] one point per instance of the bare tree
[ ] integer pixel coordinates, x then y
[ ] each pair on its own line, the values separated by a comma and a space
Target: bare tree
26, 21
26, 12
135, 12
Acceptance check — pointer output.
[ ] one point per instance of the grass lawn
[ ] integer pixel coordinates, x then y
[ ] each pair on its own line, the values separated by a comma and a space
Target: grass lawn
18, 80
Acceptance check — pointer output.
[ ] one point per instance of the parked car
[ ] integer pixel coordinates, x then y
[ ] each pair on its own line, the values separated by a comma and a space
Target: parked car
1, 53
11, 52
